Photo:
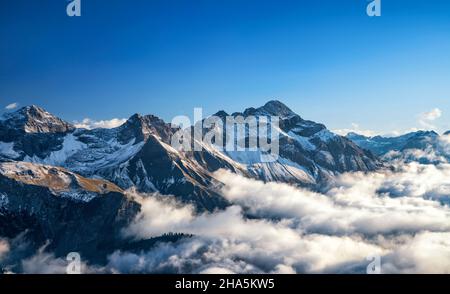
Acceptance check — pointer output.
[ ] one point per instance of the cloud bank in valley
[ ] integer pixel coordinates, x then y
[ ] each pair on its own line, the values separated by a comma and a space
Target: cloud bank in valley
402, 216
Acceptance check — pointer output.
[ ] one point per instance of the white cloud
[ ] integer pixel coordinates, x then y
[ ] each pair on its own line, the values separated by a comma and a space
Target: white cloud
89, 124
426, 119
394, 214
444, 144
358, 203
426, 252
4, 248
355, 128
44, 263
12, 106
226, 241
432, 115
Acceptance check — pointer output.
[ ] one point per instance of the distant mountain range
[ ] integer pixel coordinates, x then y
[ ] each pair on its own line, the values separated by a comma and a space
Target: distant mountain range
68, 186
429, 142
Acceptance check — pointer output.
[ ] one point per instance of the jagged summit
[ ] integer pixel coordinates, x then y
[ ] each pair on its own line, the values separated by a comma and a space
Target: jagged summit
144, 120
141, 126
271, 108
275, 107
221, 114
34, 119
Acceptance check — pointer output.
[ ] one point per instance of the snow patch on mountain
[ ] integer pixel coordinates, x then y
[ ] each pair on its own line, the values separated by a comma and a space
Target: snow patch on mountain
103, 155
246, 157
146, 184
325, 135
7, 150
303, 141
69, 147
33, 119
118, 155
282, 170
78, 196
3, 200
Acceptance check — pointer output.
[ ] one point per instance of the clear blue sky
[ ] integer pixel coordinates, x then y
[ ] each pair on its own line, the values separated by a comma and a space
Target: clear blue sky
326, 59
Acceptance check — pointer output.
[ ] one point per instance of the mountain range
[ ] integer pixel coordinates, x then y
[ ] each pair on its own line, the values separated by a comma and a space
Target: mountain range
422, 146
138, 154
67, 187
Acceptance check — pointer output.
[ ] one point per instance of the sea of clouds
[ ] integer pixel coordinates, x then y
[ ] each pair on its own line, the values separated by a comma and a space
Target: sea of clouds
400, 215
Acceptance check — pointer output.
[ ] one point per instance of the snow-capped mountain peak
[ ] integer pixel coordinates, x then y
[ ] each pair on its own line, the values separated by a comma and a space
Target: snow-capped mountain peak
33, 119
275, 107
221, 114
271, 108
141, 127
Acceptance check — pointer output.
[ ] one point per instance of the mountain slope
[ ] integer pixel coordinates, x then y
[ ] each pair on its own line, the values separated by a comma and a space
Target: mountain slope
33, 119
31, 131
139, 153
309, 154
71, 212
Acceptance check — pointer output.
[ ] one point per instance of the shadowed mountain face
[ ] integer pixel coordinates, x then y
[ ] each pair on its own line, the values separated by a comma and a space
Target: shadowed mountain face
139, 153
